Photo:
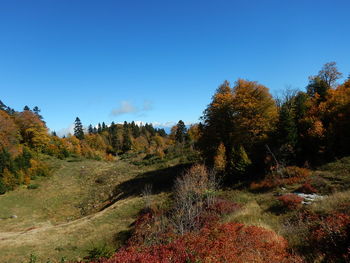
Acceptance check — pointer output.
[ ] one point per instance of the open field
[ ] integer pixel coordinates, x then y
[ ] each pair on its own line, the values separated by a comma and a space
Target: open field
87, 203
84, 204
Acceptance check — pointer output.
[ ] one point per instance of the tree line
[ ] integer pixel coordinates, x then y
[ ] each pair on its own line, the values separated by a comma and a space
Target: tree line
244, 130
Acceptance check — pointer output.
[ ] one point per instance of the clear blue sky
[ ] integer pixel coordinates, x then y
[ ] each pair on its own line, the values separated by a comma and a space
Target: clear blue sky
159, 61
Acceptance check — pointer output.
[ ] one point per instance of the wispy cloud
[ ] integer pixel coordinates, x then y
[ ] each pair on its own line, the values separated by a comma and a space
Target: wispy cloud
66, 131
126, 107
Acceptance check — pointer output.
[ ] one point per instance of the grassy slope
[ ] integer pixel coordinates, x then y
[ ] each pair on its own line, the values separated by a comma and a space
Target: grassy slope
69, 214
263, 209
76, 208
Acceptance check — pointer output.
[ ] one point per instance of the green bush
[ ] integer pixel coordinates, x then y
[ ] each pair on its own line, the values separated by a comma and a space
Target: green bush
100, 251
33, 186
3, 187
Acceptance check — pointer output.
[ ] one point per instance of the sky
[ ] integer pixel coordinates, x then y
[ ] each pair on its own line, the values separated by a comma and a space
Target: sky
159, 61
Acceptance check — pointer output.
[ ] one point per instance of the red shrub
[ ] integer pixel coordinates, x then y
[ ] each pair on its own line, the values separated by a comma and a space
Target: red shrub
331, 236
290, 201
289, 175
230, 242
223, 207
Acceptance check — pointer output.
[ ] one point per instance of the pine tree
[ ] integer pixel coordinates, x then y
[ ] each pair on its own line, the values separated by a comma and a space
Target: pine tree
78, 129
104, 126
2, 106
26, 108
240, 161
37, 111
135, 130
180, 134
126, 141
90, 129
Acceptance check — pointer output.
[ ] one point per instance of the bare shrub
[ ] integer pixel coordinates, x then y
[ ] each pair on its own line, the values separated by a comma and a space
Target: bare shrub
193, 192
146, 194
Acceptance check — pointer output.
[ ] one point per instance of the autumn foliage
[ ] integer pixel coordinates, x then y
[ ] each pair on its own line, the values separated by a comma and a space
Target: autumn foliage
288, 175
231, 242
331, 235
290, 201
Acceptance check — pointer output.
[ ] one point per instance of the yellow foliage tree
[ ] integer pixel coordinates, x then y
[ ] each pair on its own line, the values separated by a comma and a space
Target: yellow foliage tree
9, 134
255, 112
33, 131
220, 158
9, 179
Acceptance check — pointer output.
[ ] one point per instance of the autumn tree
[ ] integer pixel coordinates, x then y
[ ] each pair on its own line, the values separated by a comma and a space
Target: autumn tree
323, 81
242, 116
78, 129
254, 113
220, 158
9, 134
217, 124
33, 131
330, 74
194, 133
335, 119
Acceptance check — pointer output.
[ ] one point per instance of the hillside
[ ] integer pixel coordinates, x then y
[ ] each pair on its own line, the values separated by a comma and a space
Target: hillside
74, 210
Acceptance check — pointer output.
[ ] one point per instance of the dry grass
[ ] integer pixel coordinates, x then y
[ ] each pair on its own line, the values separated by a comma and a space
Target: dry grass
69, 213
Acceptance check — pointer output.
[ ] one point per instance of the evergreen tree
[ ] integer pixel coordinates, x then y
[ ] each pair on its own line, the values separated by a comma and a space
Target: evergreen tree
180, 134
37, 111
104, 126
78, 129
2, 106
126, 141
26, 108
240, 161
161, 132
135, 130
90, 129
318, 87
114, 137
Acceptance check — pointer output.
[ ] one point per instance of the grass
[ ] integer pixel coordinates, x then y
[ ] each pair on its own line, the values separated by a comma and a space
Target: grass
89, 204
83, 204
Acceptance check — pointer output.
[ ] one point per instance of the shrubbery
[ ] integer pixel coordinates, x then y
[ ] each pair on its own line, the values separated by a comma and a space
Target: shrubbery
288, 175
290, 201
230, 242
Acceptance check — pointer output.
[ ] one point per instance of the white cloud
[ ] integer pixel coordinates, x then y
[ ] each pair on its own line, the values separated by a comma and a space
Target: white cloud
65, 131
126, 107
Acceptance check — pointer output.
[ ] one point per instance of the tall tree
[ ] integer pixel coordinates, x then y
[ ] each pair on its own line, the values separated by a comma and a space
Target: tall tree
181, 130
26, 108
241, 118
90, 129
126, 140
325, 79
330, 74
37, 111
2, 106
78, 129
